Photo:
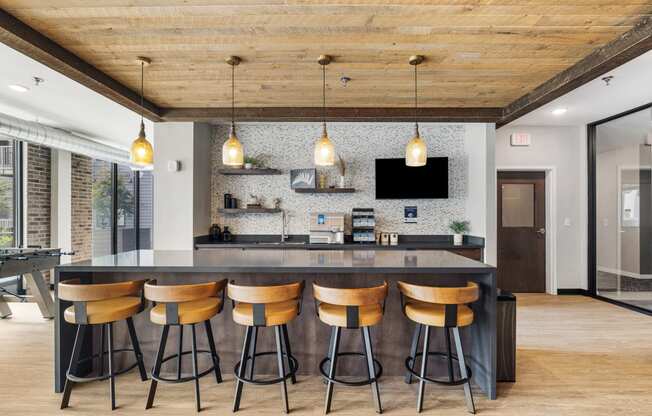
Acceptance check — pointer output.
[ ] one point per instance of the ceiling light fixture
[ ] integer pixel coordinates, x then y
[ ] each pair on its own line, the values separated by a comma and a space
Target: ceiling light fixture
141, 152
559, 111
324, 149
232, 151
18, 88
416, 152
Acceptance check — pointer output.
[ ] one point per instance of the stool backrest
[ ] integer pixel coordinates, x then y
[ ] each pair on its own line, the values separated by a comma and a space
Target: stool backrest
182, 293
265, 294
74, 290
441, 295
350, 297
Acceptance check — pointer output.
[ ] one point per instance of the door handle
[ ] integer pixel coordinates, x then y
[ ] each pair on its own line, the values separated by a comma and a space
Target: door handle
541, 231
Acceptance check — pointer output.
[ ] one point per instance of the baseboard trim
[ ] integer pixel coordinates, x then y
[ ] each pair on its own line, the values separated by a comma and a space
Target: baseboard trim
576, 292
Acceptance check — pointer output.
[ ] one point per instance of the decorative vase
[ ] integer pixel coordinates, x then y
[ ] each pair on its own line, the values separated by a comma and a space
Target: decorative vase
458, 239
342, 181
248, 165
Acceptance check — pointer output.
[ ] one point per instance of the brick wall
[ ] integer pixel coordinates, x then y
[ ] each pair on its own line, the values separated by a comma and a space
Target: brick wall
82, 215
38, 195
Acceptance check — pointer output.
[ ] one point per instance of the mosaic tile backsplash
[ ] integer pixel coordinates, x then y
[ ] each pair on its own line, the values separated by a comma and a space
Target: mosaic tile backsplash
287, 146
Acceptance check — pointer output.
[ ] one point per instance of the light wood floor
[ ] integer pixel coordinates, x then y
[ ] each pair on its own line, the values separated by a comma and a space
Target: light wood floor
576, 356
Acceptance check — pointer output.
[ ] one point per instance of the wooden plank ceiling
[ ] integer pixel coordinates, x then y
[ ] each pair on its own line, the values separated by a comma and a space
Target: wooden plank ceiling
480, 53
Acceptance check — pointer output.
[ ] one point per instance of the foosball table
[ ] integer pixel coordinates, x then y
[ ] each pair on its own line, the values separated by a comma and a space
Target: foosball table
30, 263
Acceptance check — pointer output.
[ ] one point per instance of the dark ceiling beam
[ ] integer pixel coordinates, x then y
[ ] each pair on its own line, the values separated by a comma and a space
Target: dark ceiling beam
377, 114
28, 41
626, 47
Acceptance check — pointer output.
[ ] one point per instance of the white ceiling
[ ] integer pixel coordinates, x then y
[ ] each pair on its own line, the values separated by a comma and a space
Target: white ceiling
593, 101
63, 103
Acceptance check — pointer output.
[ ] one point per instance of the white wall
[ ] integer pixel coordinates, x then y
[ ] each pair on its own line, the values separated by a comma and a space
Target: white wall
181, 206
561, 150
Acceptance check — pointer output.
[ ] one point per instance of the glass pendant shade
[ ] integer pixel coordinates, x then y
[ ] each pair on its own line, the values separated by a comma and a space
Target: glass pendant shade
324, 150
232, 151
141, 152
416, 152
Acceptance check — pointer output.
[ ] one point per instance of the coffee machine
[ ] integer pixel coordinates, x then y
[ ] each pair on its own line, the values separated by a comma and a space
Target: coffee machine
327, 228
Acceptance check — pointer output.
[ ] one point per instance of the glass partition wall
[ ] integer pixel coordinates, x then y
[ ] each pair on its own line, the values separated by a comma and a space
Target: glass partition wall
621, 148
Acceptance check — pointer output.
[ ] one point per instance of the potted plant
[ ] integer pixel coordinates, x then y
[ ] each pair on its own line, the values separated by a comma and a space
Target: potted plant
250, 162
459, 228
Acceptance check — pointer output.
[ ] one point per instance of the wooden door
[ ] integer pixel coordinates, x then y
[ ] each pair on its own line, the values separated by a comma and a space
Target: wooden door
521, 231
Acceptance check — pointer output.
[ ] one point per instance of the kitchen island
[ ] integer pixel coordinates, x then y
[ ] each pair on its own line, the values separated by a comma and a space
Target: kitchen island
338, 268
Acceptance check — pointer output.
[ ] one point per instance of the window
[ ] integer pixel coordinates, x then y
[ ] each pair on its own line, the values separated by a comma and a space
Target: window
7, 194
122, 208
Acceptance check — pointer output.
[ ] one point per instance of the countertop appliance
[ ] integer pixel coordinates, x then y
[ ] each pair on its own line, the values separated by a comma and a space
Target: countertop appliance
363, 223
326, 228
395, 180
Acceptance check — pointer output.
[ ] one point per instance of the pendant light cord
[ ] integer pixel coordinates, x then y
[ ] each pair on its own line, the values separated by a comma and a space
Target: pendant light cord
416, 102
232, 95
142, 89
323, 94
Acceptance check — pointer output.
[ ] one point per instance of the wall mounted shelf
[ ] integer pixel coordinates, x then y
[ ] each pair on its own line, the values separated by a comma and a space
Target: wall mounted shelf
248, 210
253, 171
325, 191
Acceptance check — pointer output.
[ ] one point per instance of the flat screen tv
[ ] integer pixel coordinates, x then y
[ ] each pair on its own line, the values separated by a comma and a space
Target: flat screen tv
395, 180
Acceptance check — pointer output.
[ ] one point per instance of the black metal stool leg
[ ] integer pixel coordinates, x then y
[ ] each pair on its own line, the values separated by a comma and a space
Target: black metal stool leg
470, 406
111, 372
371, 369
242, 369
252, 352
333, 349
424, 368
137, 352
72, 366
100, 358
288, 350
194, 368
211, 344
413, 351
449, 354
281, 368
157, 367
180, 353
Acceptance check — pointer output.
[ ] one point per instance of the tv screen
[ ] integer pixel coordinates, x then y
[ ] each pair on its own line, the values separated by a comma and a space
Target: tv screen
395, 180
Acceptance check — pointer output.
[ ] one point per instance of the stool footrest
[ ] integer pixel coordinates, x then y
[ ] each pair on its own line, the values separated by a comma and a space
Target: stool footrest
293, 363
456, 382
103, 376
365, 382
158, 377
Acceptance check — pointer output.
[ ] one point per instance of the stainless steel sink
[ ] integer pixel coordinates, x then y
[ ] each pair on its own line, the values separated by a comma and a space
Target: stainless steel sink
278, 243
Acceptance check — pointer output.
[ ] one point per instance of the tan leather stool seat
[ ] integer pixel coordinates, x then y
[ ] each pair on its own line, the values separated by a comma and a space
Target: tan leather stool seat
191, 312
278, 313
107, 310
434, 314
335, 315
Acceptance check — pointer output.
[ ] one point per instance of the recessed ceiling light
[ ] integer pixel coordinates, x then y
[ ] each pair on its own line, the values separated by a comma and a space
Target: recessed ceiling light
18, 88
559, 111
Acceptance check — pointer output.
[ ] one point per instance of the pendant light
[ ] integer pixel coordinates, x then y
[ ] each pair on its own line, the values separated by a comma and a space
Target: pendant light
232, 151
416, 152
141, 153
324, 149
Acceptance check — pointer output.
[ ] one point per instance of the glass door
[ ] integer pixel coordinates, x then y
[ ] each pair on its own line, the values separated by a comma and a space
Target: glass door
623, 209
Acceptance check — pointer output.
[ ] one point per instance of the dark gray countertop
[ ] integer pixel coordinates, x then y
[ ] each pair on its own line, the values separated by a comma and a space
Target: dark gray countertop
300, 242
282, 261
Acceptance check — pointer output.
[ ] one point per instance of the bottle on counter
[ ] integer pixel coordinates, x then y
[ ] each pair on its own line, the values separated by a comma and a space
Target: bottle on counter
226, 235
215, 233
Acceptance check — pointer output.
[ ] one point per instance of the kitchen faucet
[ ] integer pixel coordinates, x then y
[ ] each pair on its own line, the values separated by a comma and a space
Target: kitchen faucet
284, 223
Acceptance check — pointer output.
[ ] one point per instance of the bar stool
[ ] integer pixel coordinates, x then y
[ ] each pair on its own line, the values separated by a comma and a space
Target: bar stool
184, 305
357, 308
442, 307
101, 304
264, 306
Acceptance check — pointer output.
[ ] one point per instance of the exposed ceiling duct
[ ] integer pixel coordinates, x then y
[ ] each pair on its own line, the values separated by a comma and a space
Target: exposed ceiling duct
29, 131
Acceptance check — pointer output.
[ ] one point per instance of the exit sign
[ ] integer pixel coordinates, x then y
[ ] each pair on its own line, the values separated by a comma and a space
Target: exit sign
520, 139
